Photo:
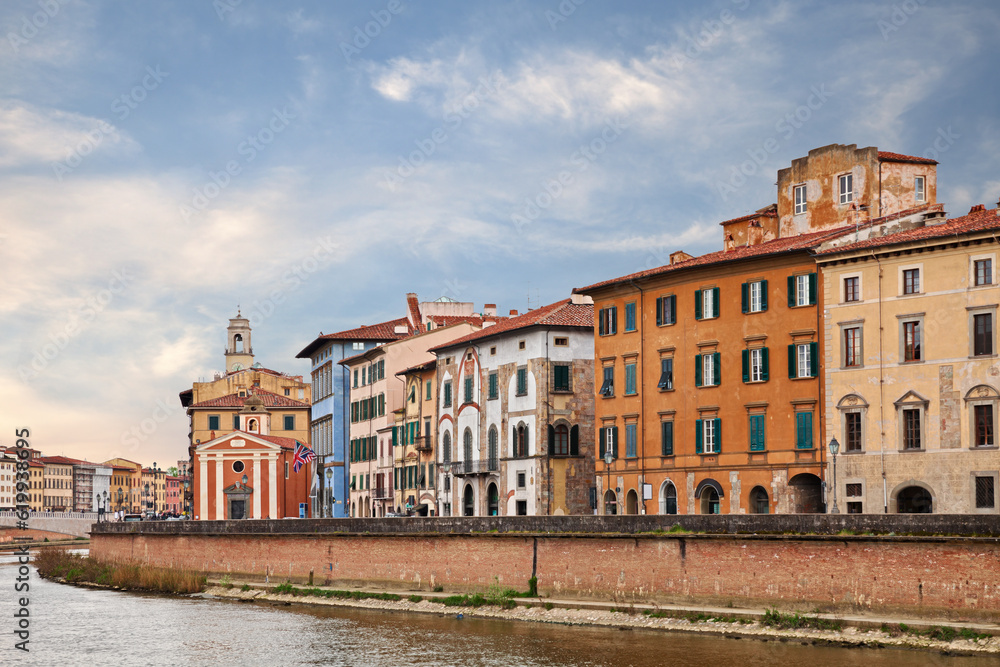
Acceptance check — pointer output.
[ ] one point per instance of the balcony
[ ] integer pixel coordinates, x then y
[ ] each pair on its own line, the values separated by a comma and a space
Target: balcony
423, 443
380, 493
459, 468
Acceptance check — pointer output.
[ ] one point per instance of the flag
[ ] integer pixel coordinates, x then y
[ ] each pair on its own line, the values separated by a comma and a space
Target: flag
302, 456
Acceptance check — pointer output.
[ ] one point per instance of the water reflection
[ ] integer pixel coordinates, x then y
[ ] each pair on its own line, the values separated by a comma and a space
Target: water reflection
75, 626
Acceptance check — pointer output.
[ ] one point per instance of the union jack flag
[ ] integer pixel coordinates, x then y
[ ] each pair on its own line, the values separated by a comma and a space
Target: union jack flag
303, 455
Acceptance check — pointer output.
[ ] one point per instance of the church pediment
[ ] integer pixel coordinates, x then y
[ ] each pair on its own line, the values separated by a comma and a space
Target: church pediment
238, 488
237, 442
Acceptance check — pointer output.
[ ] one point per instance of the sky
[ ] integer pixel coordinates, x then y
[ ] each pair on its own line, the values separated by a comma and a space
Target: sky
163, 163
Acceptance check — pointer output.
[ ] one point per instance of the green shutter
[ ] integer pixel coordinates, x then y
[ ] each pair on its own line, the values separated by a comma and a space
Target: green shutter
804, 439
697, 304
659, 311
614, 441
718, 435
745, 297
600, 322
813, 359
764, 363
574, 441
763, 295
602, 438
715, 302
698, 445
395, 438
697, 370
717, 368
673, 309
791, 291
791, 362
812, 289
667, 438
746, 365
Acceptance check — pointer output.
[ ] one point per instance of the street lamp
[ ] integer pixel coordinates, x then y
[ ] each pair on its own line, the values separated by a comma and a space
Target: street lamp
120, 498
329, 487
834, 448
145, 496
187, 485
100, 510
608, 459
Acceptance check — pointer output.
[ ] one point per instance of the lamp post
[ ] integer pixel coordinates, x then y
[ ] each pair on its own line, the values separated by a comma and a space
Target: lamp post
834, 448
187, 484
329, 483
155, 470
100, 510
145, 496
608, 459
120, 498
245, 509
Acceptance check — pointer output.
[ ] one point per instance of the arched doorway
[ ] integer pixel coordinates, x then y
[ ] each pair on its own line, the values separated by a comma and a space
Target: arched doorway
669, 499
492, 500
914, 500
468, 501
632, 502
709, 495
610, 504
806, 492
759, 502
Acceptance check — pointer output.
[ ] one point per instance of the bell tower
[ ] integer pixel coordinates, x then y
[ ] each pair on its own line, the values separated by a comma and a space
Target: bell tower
239, 353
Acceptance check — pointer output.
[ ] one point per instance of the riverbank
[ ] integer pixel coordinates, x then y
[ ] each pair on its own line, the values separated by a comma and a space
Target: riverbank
759, 624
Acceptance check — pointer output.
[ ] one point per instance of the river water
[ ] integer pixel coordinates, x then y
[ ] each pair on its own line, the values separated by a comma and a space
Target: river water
91, 627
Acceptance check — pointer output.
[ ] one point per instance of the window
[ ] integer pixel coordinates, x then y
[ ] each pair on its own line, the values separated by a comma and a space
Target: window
911, 429
985, 492
608, 385
469, 385
853, 491
911, 341
800, 198
852, 347
560, 440
493, 350
493, 387
630, 379
521, 480
666, 382
493, 452
521, 507
911, 281
755, 365
666, 438
852, 289
757, 441
356, 372
630, 440
560, 377
357, 346
803, 430
846, 188
982, 334
803, 360
666, 310
521, 345
708, 435
561, 341
213, 422
983, 270
522, 381
754, 296
446, 448
447, 394
289, 422
919, 191
520, 446
707, 370
802, 290
982, 416
428, 396
607, 321
852, 432
630, 316
608, 438
706, 303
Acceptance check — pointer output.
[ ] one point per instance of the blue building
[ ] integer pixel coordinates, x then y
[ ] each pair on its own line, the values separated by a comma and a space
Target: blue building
331, 405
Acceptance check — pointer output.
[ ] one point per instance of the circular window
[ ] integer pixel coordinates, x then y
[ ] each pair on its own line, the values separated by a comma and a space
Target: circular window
238, 466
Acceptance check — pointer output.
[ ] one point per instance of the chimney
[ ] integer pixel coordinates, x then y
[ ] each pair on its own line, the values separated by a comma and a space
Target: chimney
679, 256
581, 300
977, 208
513, 313
490, 309
755, 233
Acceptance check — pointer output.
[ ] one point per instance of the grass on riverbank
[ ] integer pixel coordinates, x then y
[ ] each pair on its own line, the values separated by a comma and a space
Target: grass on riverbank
74, 568
287, 589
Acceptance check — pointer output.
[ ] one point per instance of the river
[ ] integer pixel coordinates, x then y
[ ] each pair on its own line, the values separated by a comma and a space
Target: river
78, 626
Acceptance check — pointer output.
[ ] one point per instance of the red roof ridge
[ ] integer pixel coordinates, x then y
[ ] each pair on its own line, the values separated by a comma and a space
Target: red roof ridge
888, 156
769, 211
582, 316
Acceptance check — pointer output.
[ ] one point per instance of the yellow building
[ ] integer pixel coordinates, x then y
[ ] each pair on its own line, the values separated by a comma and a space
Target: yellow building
413, 442
126, 476
912, 378
36, 480
57, 483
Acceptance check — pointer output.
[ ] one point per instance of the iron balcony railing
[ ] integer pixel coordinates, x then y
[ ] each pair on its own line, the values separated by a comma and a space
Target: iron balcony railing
475, 467
381, 493
422, 443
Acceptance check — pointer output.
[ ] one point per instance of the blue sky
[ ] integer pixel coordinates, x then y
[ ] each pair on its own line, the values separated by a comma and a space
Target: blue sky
163, 162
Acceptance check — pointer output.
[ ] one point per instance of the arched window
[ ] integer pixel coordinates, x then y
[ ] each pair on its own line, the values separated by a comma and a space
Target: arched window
446, 448
467, 446
560, 445
492, 500
759, 502
494, 462
669, 499
252, 426
710, 501
632, 502
520, 444
468, 501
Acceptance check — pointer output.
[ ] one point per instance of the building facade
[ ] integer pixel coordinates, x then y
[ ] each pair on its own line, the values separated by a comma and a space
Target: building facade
414, 474
58, 483
8, 490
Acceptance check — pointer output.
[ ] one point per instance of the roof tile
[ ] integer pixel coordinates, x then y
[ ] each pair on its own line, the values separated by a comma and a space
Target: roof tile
561, 313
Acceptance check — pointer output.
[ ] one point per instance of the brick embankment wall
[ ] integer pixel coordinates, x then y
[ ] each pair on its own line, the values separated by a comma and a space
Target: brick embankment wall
951, 576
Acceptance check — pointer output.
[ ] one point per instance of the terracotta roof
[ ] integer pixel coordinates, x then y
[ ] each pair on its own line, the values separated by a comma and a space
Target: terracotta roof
769, 211
886, 156
448, 320
62, 460
977, 220
33, 463
261, 369
383, 331
270, 400
427, 365
559, 314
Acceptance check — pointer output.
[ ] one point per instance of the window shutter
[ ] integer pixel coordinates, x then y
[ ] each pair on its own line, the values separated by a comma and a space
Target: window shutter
715, 302
812, 289
552, 438
667, 438
697, 304
574, 441
395, 438
697, 370
718, 435
527, 433
659, 311
791, 362
746, 365
717, 368
673, 309
602, 437
698, 445
600, 322
763, 295
745, 297
813, 359
791, 291
764, 363
614, 441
